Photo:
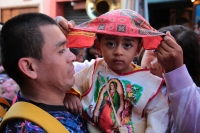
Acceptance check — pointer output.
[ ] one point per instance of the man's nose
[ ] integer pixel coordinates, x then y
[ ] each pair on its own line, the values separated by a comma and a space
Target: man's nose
70, 56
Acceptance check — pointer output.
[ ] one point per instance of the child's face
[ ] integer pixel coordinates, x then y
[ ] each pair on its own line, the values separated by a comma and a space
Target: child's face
149, 61
118, 52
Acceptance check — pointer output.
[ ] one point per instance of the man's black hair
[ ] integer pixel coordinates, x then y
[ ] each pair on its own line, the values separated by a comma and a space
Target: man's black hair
21, 37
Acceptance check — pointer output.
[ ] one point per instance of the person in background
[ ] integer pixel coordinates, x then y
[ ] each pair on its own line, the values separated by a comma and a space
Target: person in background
183, 93
1, 25
34, 54
80, 54
183, 21
8, 87
1, 67
187, 40
92, 53
197, 30
198, 26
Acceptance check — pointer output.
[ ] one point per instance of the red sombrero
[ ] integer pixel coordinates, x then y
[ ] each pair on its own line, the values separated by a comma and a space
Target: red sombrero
120, 22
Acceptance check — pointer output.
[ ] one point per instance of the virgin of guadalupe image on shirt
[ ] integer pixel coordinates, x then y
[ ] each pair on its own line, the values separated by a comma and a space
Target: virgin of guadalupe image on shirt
111, 98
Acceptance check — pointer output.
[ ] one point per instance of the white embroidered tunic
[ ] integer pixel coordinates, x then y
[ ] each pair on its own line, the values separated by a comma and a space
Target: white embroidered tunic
134, 99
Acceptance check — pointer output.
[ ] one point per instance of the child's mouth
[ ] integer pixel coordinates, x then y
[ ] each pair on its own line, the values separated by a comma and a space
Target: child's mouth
118, 61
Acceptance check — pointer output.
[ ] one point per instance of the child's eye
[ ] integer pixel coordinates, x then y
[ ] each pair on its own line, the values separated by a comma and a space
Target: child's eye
127, 45
62, 51
111, 44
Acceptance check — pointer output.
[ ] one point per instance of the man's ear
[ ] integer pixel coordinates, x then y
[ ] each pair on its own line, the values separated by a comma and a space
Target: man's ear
26, 65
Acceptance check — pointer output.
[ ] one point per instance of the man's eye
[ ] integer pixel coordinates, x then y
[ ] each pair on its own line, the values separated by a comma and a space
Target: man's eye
110, 44
62, 51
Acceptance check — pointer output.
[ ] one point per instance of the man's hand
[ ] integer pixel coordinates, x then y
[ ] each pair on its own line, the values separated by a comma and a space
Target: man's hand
64, 24
73, 103
169, 54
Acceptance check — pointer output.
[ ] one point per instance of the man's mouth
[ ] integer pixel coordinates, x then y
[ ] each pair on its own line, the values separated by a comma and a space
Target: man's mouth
72, 71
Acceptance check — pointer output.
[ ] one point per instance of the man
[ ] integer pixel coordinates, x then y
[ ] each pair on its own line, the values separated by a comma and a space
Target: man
34, 54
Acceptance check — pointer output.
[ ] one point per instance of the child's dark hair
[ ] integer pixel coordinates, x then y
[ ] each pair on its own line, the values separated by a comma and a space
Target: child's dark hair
98, 36
188, 41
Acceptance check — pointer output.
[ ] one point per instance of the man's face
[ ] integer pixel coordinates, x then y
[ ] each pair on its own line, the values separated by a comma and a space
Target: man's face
55, 70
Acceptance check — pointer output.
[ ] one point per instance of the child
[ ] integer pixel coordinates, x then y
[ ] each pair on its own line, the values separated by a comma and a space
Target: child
120, 95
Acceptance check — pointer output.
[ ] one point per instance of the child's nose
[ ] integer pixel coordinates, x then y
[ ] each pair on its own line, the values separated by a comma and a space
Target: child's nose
118, 51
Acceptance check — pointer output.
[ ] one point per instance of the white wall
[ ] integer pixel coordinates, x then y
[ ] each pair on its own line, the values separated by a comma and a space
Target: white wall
19, 3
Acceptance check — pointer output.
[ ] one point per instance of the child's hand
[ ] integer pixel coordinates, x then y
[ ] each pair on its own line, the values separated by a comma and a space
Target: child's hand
169, 54
73, 103
95, 118
64, 25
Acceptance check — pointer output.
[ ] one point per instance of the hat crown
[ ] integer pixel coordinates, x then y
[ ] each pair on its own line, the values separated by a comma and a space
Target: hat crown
123, 22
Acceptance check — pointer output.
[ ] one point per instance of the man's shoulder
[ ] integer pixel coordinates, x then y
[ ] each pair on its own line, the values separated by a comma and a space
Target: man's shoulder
73, 123
21, 125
